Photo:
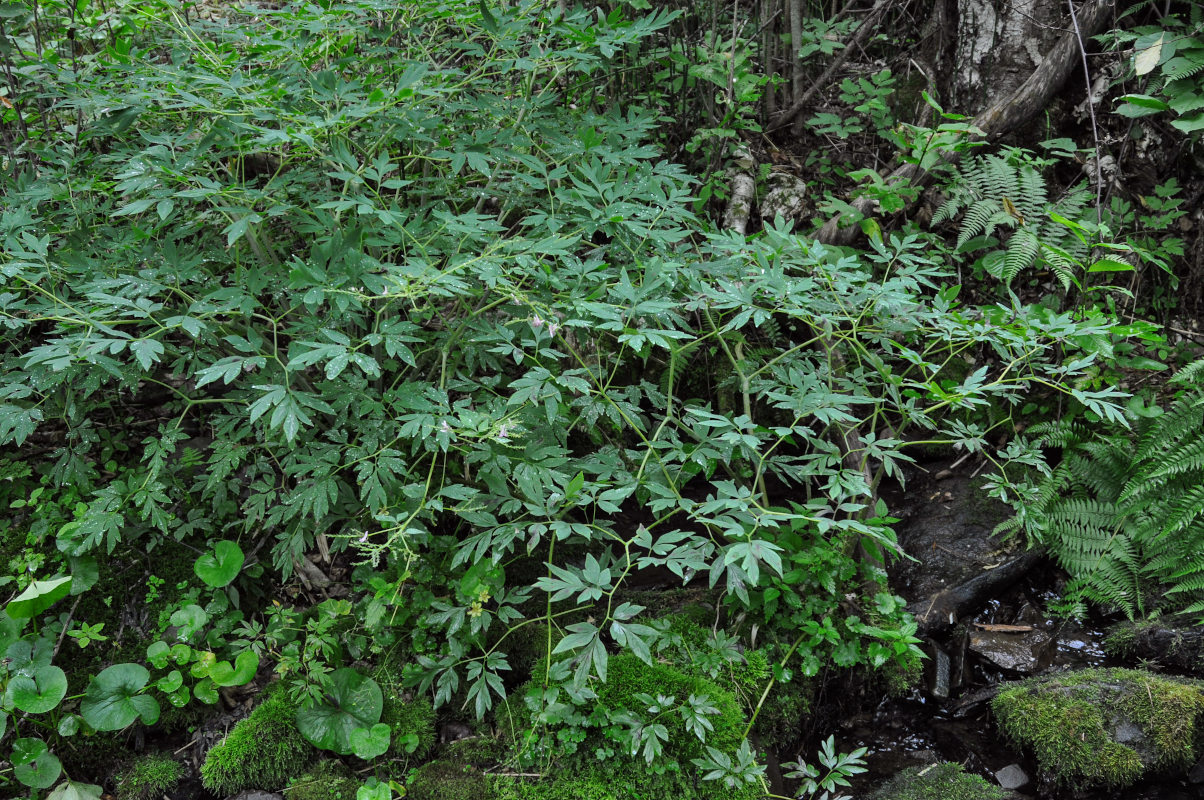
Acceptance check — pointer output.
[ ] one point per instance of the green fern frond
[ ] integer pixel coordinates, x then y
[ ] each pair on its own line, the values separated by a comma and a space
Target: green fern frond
1031, 198
947, 211
1179, 423
1188, 509
1058, 433
1060, 263
1185, 65
977, 219
1186, 456
1190, 581
1021, 252
1193, 373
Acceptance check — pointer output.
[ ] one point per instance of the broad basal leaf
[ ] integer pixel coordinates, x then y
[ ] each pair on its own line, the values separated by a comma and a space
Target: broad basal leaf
368, 743
220, 567
40, 692
38, 597
112, 701
244, 669
70, 790
355, 702
33, 763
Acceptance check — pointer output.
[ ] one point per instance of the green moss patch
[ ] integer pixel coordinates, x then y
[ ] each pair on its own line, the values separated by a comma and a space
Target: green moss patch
945, 781
330, 780
447, 780
147, 777
1103, 726
617, 779
411, 721
263, 751
628, 676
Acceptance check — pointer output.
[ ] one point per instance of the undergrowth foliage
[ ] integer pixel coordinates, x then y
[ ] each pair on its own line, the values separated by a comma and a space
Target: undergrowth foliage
391, 277
1124, 512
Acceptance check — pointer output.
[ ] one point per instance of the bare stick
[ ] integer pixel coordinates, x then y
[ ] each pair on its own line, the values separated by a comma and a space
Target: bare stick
800, 101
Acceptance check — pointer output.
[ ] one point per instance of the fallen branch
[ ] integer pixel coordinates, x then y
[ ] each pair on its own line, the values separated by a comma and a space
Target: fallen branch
1001, 118
867, 26
947, 607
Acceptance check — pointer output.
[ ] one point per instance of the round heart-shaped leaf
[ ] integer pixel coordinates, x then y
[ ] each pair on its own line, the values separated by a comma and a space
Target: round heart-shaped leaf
26, 657
10, 631
244, 669
374, 790
38, 596
220, 567
69, 725
368, 743
181, 653
40, 692
156, 654
205, 691
180, 697
33, 763
112, 700
170, 682
70, 790
188, 620
85, 572
205, 659
355, 701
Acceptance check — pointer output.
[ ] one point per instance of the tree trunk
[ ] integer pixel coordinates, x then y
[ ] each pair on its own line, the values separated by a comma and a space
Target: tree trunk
999, 44
1006, 113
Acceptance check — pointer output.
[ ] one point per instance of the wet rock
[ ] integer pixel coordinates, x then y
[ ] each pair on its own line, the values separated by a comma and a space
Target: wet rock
938, 672
1025, 652
1103, 726
946, 527
1171, 641
784, 197
1196, 775
1012, 777
939, 782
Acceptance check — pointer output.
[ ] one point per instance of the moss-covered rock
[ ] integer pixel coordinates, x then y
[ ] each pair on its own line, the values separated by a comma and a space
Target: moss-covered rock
447, 780
692, 650
263, 751
147, 777
628, 676
939, 782
480, 751
621, 779
330, 780
1103, 726
411, 720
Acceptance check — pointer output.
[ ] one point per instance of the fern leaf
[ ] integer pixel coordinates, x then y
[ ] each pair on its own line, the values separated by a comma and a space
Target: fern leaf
977, 218
1183, 66
947, 211
1193, 373
1188, 509
1030, 198
1060, 263
1022, 250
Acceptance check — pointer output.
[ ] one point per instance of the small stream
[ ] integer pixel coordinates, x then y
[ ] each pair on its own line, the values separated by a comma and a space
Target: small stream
948, 716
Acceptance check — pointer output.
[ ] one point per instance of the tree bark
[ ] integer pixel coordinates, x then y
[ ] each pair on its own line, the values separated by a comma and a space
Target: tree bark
1003, 116
999, 43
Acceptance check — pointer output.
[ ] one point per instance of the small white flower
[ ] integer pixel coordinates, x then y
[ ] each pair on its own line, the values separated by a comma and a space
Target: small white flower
552, 329
444, 427
503, 433
536, 322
